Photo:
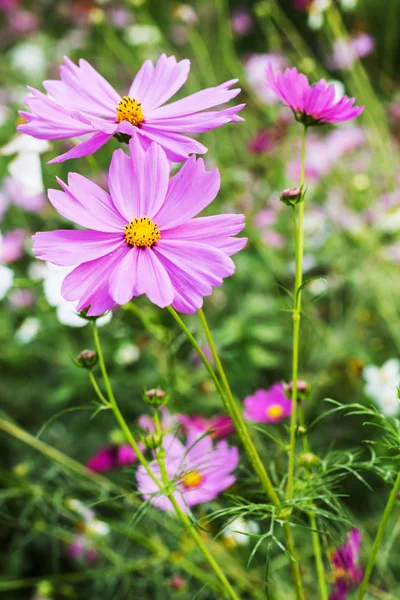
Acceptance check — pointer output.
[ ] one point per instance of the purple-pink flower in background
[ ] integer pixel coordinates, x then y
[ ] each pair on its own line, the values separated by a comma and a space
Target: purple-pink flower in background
268, 406
346, 569
242, 22
168, 422
346, 52
311, 104
255, 72
143, 237
84, 103
112, 457
199, 471
220, 426
12, 245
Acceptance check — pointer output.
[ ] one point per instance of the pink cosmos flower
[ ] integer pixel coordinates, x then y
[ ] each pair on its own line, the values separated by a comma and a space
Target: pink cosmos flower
220, 426
112, 457
84, 103
199, 471
311, 104
268, 406
12, 245
346, 569
346, 52
143, 237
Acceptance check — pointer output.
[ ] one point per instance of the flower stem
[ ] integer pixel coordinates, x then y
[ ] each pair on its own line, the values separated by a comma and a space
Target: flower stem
378, 538
115, 408
318, 557
296, 315
229, 591
241, 428
238, 420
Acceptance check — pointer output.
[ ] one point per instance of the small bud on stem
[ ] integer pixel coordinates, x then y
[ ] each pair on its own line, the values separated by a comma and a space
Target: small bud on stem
87, 359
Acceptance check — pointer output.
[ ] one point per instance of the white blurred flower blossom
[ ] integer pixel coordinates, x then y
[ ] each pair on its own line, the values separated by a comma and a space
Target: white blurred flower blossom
28, 330
66, 311
381, 386
6, 280
238, 531
127, 354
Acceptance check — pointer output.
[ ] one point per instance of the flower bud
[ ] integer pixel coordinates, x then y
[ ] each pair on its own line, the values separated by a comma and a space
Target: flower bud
177, 583
156, 397
291, 196
302, 387
87, 359
308, 459
151, 441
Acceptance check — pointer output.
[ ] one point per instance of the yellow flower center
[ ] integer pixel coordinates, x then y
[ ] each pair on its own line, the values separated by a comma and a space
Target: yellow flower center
192, 479
275, 411
130, 110
141, 233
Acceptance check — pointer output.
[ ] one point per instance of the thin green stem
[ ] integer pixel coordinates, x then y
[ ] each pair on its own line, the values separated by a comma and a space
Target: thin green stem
246, 440
296, 314
378, 538
115, 408
229, 592
238, 420
95, 385
318, 557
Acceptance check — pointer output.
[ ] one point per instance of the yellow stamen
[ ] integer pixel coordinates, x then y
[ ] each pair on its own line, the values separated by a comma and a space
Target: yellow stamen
192, 479
275, 411
130, 110
142, 232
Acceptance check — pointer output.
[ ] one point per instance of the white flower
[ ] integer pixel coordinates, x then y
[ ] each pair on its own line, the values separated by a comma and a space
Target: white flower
238, 531
27, 331
30, 59
97, 528
66, 311
127, 354
6, 280
381, 386
137, 35
26, 168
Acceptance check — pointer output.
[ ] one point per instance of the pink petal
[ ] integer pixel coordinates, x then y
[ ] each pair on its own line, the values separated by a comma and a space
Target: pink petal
202, 100
83, 149
68, 247
124, 276
177, 147
153, 279
78, 207
155, 85
189, 192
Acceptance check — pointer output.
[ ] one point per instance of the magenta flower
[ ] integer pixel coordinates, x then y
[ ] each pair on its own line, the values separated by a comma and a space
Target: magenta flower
84, 103
199, 471
220, 426
311, 104
144, 239
346, 569
112, 457
268, 406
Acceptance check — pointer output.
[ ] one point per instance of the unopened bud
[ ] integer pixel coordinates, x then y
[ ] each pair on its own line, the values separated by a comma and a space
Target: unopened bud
151, 441
87, 359
156, 397
291, 196
308, 459
302, 386
177, 583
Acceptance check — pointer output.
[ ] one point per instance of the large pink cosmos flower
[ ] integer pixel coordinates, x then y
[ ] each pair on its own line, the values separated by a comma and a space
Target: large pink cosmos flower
83, 103
199, 471
143, 238
311, 104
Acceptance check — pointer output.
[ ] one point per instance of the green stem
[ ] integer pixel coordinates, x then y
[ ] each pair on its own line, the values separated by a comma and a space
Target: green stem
95, 385
241, 428
160, 454
378, 538
299, 249
238, 420
318, 557
229, 591
114, 406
